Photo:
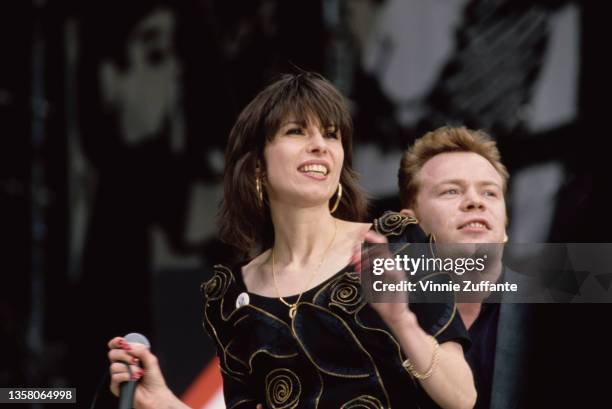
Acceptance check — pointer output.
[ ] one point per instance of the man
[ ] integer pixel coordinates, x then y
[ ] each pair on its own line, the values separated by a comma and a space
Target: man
453, 182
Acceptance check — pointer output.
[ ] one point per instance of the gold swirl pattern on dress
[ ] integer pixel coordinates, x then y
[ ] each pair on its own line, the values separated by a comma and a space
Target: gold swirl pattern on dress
393, 223
283, 389
215, 288
363, 402
346, 294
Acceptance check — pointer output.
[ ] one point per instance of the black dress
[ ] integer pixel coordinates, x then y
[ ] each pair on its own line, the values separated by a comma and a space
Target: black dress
336, 352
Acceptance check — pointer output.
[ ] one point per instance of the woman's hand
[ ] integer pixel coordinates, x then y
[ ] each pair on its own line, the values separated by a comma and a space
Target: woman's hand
395, 312
151, 390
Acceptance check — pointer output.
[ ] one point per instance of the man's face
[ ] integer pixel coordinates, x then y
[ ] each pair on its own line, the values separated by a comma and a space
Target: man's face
460, 199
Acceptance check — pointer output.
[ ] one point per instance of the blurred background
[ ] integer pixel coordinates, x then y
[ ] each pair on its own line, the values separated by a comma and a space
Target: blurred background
114, 117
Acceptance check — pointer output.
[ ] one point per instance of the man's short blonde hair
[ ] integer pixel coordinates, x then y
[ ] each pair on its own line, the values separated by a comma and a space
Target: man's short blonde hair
443, 140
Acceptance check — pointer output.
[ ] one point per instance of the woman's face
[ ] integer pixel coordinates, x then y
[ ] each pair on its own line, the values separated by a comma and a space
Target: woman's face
303, 163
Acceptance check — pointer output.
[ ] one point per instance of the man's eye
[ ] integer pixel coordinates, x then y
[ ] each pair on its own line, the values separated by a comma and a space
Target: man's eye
450, 192
490, 193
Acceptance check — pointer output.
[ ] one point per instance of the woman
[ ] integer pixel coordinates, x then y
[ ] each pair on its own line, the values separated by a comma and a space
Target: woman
291, 326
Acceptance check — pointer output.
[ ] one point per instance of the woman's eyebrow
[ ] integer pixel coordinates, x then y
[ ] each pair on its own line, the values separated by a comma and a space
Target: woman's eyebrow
293, 122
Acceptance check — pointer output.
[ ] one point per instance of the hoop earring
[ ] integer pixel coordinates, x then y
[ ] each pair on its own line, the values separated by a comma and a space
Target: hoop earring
432, 241
259, 190
338, 198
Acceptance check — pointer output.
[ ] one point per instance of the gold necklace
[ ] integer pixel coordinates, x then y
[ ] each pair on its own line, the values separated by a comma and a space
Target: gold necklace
293, 307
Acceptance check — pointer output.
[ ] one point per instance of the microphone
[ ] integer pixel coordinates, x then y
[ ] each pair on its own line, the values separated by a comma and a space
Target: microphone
126, 389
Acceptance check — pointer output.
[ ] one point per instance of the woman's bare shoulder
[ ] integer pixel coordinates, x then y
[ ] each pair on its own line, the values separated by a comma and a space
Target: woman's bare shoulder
356, 229
251, 271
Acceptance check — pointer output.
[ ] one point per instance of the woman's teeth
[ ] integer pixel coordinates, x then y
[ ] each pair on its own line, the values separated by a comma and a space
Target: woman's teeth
314, 168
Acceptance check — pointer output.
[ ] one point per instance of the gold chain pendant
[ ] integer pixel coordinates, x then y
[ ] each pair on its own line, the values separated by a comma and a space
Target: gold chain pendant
292, 311
293, 307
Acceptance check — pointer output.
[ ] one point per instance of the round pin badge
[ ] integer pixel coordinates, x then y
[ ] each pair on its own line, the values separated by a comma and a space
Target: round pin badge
242, 300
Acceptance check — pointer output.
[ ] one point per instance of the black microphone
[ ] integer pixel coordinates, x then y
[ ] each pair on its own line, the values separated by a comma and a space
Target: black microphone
126, 389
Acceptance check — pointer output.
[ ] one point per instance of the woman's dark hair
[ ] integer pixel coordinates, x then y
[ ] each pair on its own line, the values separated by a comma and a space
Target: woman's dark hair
243, 221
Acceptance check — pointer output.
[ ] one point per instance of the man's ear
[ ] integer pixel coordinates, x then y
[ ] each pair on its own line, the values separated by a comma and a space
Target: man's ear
408, 212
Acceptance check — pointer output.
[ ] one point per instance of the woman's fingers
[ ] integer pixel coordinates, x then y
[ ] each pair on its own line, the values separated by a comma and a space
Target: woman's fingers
116, 380
148, 360
119, 374
122, 355
116, 342
143, 367
134, 354
119, 367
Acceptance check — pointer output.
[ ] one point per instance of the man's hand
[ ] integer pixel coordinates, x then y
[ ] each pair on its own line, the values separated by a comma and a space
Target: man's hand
395, 312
